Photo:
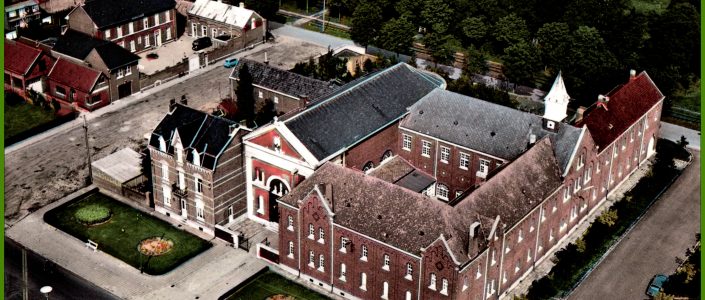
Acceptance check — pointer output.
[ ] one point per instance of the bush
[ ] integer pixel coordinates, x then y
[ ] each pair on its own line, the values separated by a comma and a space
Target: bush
93, 214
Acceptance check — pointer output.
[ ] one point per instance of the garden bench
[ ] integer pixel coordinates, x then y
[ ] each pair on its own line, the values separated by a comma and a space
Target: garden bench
93, 245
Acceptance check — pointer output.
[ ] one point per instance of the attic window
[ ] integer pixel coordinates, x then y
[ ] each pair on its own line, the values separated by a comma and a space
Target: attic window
277, 144
196, 158
162, 144
551, 125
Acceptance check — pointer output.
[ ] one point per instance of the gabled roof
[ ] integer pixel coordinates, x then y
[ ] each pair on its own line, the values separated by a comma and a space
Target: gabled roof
221, 12
361, 108
282, 81
109, 13
77, 76
207, 134
483, 126
626, 105
78, 45
20, 57
400, 172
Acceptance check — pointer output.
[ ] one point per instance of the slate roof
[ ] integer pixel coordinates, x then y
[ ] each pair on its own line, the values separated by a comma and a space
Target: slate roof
400, 172
208, 134
109, 13
284, 81
627, 104
77, 76
78, 45
357, 110
484, 126
222, 12
20, 57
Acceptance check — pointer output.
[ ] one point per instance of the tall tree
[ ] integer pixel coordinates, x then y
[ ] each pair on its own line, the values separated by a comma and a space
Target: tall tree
436, 16
509, 30
474, 30
592, 66
554, 40
267, 8
245, 96
475, 62
521, 63
366, 22
397, 35
442, 47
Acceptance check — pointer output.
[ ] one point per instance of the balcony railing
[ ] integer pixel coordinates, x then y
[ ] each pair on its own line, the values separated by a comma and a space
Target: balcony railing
179, 191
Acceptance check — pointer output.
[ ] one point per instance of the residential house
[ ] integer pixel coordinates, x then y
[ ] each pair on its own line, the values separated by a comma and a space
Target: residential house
24, 67
118, 64
197, 168
288, 91
77, 85
19, 14
209, 18
352, 125
136, 25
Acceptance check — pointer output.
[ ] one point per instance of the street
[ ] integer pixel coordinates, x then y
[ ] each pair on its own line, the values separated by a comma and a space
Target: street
42, 272
664, 233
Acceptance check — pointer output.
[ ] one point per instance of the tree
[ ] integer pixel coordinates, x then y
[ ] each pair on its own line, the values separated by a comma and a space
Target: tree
366, 22
267, 8
397, 35
442, 47
510, 30
474, 30
475, 62
554, 40
245, 96
592, 66
521, 63
436, 15
608, 217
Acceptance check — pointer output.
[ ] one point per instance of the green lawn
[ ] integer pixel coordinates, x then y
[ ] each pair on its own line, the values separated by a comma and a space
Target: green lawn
21, 117
269, 284
121, 235
688, 98
330, 30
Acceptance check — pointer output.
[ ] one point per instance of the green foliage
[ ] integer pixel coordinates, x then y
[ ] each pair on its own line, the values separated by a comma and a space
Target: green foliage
608, 217
554, 40
442, 47
510, 30
244, 94
521, 63
327, 68
685, 281
436, 15
589, 61
475, 62
397, 35
266, 8
366, 23
270, 284
474, 30
22, 117
93, 214
465, 86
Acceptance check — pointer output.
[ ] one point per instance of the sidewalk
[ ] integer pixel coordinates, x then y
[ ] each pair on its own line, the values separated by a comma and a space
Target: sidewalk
221, 267
119, 104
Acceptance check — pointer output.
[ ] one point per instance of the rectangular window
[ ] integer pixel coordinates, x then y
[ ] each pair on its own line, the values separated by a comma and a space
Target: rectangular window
214, 32
311, 257
128, 70
484, 166
92, 100
291, 249
199, 185
156, 20
343, 244
199, 209
385, 265
342, 272
260, 94
145, 23
406, 142
166, 195
445, 154
310, 231
204, 30
12, 13
409, 271
139, 40
133, 47
60, 92
290, 223
107, 34
167, 16
464, 161
444, 286
131, 28
168, 33
321, 262
146, 40
364, 253
432, 283
321, 235
276, 100
119, 31
165, 171
426, 148
121, 73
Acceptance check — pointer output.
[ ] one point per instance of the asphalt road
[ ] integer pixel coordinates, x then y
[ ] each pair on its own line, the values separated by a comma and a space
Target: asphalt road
663, 234
41, 272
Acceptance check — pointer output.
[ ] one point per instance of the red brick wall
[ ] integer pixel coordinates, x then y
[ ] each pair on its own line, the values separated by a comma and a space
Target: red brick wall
438, 261
286, 236
314, 212
267, 140
373, 148
263, 190
79, 98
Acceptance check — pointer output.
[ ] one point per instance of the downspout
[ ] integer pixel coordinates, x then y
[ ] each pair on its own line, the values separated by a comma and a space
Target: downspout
332, 246
538, 234
418, 293
298, 244
501, 264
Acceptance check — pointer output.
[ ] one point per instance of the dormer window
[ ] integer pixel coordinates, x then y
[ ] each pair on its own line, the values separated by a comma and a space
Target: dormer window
551, 125
277, 144
196, 157
162, 144
179, 153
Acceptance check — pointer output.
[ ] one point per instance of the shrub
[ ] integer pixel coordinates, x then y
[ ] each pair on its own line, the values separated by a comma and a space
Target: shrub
93, 214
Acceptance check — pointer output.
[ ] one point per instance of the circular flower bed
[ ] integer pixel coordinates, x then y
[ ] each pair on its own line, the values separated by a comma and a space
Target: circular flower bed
155, 246
93, 214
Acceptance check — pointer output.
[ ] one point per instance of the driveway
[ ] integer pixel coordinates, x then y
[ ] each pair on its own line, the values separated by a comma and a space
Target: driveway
674, 132
663, 234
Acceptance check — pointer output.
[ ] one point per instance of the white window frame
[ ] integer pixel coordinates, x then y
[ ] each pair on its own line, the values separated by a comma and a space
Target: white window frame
260, 94
363, 253
363, 281
166, 191
444, 286
484, 166
198, 184
464, 161
146, 41
145, 23
321, 263
311, 231
291, 250
119, 31
121, 73
200, 210
276, 100
167, 16
131, 28
165, 171
442, 191
260, 204
425, 148
385, 263
168, 33
409, 272
133, 46
406, 142
107, 33
156, 19
343, 243
321, 235
311, 258
432, 283
204, 30
214, 32
343, 272
290, 223
445, 154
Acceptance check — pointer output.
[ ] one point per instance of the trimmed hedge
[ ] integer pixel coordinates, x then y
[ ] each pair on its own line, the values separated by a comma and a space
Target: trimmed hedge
93, 214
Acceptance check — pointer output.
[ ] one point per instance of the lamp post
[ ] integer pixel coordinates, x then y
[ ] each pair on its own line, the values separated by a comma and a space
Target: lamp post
46, 290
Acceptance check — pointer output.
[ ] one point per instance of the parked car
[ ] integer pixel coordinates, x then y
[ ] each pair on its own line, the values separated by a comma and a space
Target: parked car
656, 285
231, 62
201, 43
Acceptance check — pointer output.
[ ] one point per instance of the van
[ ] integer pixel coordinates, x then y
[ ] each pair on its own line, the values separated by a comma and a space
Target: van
201, 43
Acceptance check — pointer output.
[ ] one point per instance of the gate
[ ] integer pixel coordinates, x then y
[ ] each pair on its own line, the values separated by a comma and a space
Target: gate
194, 63
243, 242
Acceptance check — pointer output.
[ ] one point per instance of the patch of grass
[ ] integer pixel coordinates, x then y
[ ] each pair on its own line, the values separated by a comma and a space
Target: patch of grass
330, 30
22, 117
93, 214
645, 6
121, 235
269, 284
688, 99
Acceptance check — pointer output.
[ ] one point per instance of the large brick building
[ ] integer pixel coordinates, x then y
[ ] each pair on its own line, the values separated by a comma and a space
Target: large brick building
197, 170
136, 25
209, 18
364, 237
358, 121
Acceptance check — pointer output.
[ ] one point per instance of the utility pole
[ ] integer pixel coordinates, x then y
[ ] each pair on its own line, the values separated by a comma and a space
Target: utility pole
88, 150
25, 281
323, 17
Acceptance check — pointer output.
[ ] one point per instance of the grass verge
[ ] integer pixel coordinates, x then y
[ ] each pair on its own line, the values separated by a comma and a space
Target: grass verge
121, 235
330, 30
269, 284
23, 117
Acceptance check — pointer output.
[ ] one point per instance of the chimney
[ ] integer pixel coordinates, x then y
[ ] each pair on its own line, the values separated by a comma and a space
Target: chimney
304, 100
172, 104
183, 100
474, 229
532, 139
632, 74
329, 195
579, 114
242, 4
266, 61
473, 243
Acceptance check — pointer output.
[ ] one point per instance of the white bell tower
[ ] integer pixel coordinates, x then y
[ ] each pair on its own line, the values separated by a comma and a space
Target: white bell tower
556, 101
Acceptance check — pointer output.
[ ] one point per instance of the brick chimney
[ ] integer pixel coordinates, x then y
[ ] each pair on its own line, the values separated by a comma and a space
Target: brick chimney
242, 4
579, 114
632, 74
303, 101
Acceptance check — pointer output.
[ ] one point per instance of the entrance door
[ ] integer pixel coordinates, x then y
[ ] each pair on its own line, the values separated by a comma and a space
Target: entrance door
231, 217
125, 90
158, 37
651, 148
276, 190
184, 211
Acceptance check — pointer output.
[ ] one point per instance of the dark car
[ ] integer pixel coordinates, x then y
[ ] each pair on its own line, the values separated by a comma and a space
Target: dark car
201, 43
656, 285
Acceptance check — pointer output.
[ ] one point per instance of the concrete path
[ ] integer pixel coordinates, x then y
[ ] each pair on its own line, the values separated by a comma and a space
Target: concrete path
310, 36
674, 133
206, 276
663, 234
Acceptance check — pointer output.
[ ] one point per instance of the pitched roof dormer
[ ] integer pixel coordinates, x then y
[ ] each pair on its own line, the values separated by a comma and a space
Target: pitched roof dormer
556, 104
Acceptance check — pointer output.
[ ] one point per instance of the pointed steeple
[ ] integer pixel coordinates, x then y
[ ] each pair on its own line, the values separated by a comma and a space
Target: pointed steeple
556, 101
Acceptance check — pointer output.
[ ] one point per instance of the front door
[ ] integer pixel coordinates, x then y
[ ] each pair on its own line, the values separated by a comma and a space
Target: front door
276, 190
184, 211
125, 90
158, 38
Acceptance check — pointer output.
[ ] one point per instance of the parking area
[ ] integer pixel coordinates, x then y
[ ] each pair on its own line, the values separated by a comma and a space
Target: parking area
168, 54
287, 52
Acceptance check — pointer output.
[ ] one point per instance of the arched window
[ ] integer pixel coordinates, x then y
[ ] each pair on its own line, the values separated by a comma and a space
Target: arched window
363, 281
444, 286
432, 285
342, 272
385, 290
409, 271
387, 155
368, 166
442, 191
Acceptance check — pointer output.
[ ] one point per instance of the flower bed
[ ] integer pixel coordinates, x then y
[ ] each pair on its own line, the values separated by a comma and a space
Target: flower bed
93, 214
155, 246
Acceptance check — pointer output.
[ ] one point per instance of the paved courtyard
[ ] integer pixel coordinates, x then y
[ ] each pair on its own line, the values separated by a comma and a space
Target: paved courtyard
169, 54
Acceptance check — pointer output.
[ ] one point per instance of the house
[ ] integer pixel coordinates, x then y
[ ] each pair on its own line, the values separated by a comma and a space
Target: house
350, 126
24, 67
77, 85
136, 25
121, 174
287, 90
19, 14
118, 64
197, 175
209, 18
364, 236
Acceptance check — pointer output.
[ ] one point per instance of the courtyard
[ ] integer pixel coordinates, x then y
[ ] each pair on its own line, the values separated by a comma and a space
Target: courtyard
168, 54
138, 239
270, 285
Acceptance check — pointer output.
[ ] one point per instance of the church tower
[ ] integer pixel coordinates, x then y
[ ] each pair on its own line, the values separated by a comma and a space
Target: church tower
556, 104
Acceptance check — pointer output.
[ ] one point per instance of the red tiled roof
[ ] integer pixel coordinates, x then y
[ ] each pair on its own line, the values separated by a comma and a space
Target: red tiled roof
77, 76
627, 104
19, 57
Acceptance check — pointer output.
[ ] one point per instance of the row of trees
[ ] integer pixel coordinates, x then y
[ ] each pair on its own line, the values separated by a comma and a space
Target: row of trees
594, 42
